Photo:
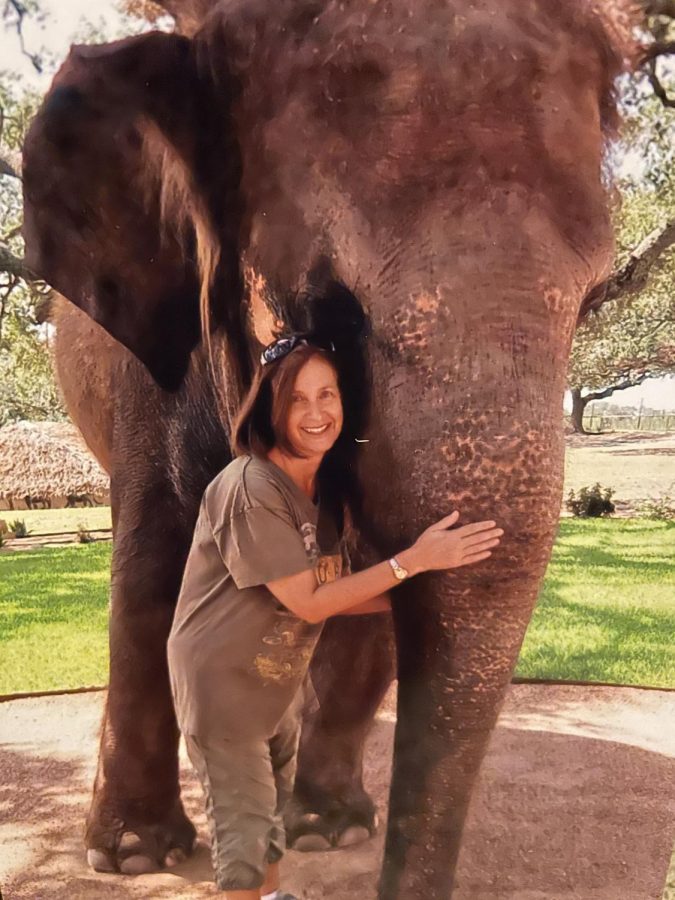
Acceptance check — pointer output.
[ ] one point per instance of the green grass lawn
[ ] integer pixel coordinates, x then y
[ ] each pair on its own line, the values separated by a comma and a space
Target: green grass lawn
54, 617
606, 611
53, 521
607, 608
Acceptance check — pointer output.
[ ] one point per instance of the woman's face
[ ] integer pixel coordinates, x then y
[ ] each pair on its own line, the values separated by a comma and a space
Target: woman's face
315, 417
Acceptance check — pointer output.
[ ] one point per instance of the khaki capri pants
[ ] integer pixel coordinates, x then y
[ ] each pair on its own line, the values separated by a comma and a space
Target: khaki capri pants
246, 785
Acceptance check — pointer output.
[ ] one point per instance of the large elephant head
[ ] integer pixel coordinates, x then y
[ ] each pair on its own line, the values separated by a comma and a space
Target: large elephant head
443, 160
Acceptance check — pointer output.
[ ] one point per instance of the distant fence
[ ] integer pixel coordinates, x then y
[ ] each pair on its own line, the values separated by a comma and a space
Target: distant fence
598, 423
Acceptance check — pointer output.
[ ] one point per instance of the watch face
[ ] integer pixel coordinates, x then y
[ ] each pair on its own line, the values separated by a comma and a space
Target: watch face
398, 570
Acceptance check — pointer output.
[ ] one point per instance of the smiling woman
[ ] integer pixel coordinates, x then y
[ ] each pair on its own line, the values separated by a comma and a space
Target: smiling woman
263, 574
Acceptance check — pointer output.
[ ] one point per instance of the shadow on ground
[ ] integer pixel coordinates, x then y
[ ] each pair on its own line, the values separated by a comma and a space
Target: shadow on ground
575, 801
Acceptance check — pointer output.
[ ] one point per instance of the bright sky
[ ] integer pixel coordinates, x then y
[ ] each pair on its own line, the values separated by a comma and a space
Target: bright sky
66, 21
655, 393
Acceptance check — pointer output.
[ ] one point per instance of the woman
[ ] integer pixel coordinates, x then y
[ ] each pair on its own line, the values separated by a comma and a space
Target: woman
262, 576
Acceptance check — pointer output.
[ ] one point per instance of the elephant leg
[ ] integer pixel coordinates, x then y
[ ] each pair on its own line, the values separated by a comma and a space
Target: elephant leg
352, 668
136, 822
458, 639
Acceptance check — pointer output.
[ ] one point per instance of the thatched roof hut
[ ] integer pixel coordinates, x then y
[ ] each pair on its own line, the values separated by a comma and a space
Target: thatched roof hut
47, 459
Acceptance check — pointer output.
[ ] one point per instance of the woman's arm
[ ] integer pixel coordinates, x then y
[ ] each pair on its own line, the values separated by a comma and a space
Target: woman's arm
379, 604
436, 548
300, 594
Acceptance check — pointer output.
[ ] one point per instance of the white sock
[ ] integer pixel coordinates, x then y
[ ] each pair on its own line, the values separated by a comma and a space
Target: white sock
272, 896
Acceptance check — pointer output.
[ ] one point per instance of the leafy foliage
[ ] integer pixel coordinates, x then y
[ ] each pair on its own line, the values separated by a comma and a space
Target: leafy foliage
27, 386
591, 502
632, 339
19, 528
84, 536
662, 509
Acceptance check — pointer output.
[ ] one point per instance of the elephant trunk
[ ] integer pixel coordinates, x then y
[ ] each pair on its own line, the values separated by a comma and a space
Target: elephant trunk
454, 668
484, 451
458, 633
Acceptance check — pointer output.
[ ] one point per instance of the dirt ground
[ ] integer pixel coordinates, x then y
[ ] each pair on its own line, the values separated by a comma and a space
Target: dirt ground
575, 802
636, 465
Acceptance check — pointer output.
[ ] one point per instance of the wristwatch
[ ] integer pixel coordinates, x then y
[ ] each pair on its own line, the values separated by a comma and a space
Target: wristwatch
398, 569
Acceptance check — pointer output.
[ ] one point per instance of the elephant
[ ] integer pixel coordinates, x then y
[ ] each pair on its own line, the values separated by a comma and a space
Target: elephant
443, 163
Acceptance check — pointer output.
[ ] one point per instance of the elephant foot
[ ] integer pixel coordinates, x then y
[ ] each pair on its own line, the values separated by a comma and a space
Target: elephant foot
329, 823
116, 844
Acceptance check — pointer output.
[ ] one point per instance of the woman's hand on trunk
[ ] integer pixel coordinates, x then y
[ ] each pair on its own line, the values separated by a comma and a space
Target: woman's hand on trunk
442, 547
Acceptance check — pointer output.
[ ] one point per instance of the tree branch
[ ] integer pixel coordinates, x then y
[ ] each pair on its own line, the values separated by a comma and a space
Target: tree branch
634, 275
21, 13
12, 233
658, 48
658, 326
659, 8
10, 163
629, 382
657, 87
15, 266
4, 300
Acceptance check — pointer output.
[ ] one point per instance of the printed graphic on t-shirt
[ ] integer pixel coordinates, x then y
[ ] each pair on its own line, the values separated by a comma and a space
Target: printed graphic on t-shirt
290, 645
328, 568
308, 532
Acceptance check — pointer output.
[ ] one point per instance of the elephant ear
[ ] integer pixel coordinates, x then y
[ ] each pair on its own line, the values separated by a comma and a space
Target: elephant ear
95, 208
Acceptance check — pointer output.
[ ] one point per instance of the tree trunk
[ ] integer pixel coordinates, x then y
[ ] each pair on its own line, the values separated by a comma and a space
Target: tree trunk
578, 406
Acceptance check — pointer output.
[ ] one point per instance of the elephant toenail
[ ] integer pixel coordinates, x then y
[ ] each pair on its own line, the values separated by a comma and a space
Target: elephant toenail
355, 834
129, 841
138, 865
310, 818
311, 843
174, 857
100, 861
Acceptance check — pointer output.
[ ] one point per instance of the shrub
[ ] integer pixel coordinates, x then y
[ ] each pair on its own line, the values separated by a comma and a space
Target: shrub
591, 502
18, 528
662, 508
84, 536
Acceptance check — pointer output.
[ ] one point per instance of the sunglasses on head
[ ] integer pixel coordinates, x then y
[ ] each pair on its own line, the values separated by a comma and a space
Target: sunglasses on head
283, 346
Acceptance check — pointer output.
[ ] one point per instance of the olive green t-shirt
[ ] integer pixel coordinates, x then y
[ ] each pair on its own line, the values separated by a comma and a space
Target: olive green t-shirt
237, 657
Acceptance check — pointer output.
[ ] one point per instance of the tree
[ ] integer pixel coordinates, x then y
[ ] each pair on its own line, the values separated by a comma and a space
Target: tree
621, 344
27, 386
620, 348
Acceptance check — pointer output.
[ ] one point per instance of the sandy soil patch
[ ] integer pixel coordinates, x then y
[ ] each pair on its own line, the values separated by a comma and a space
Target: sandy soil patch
575, 802
637, 466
